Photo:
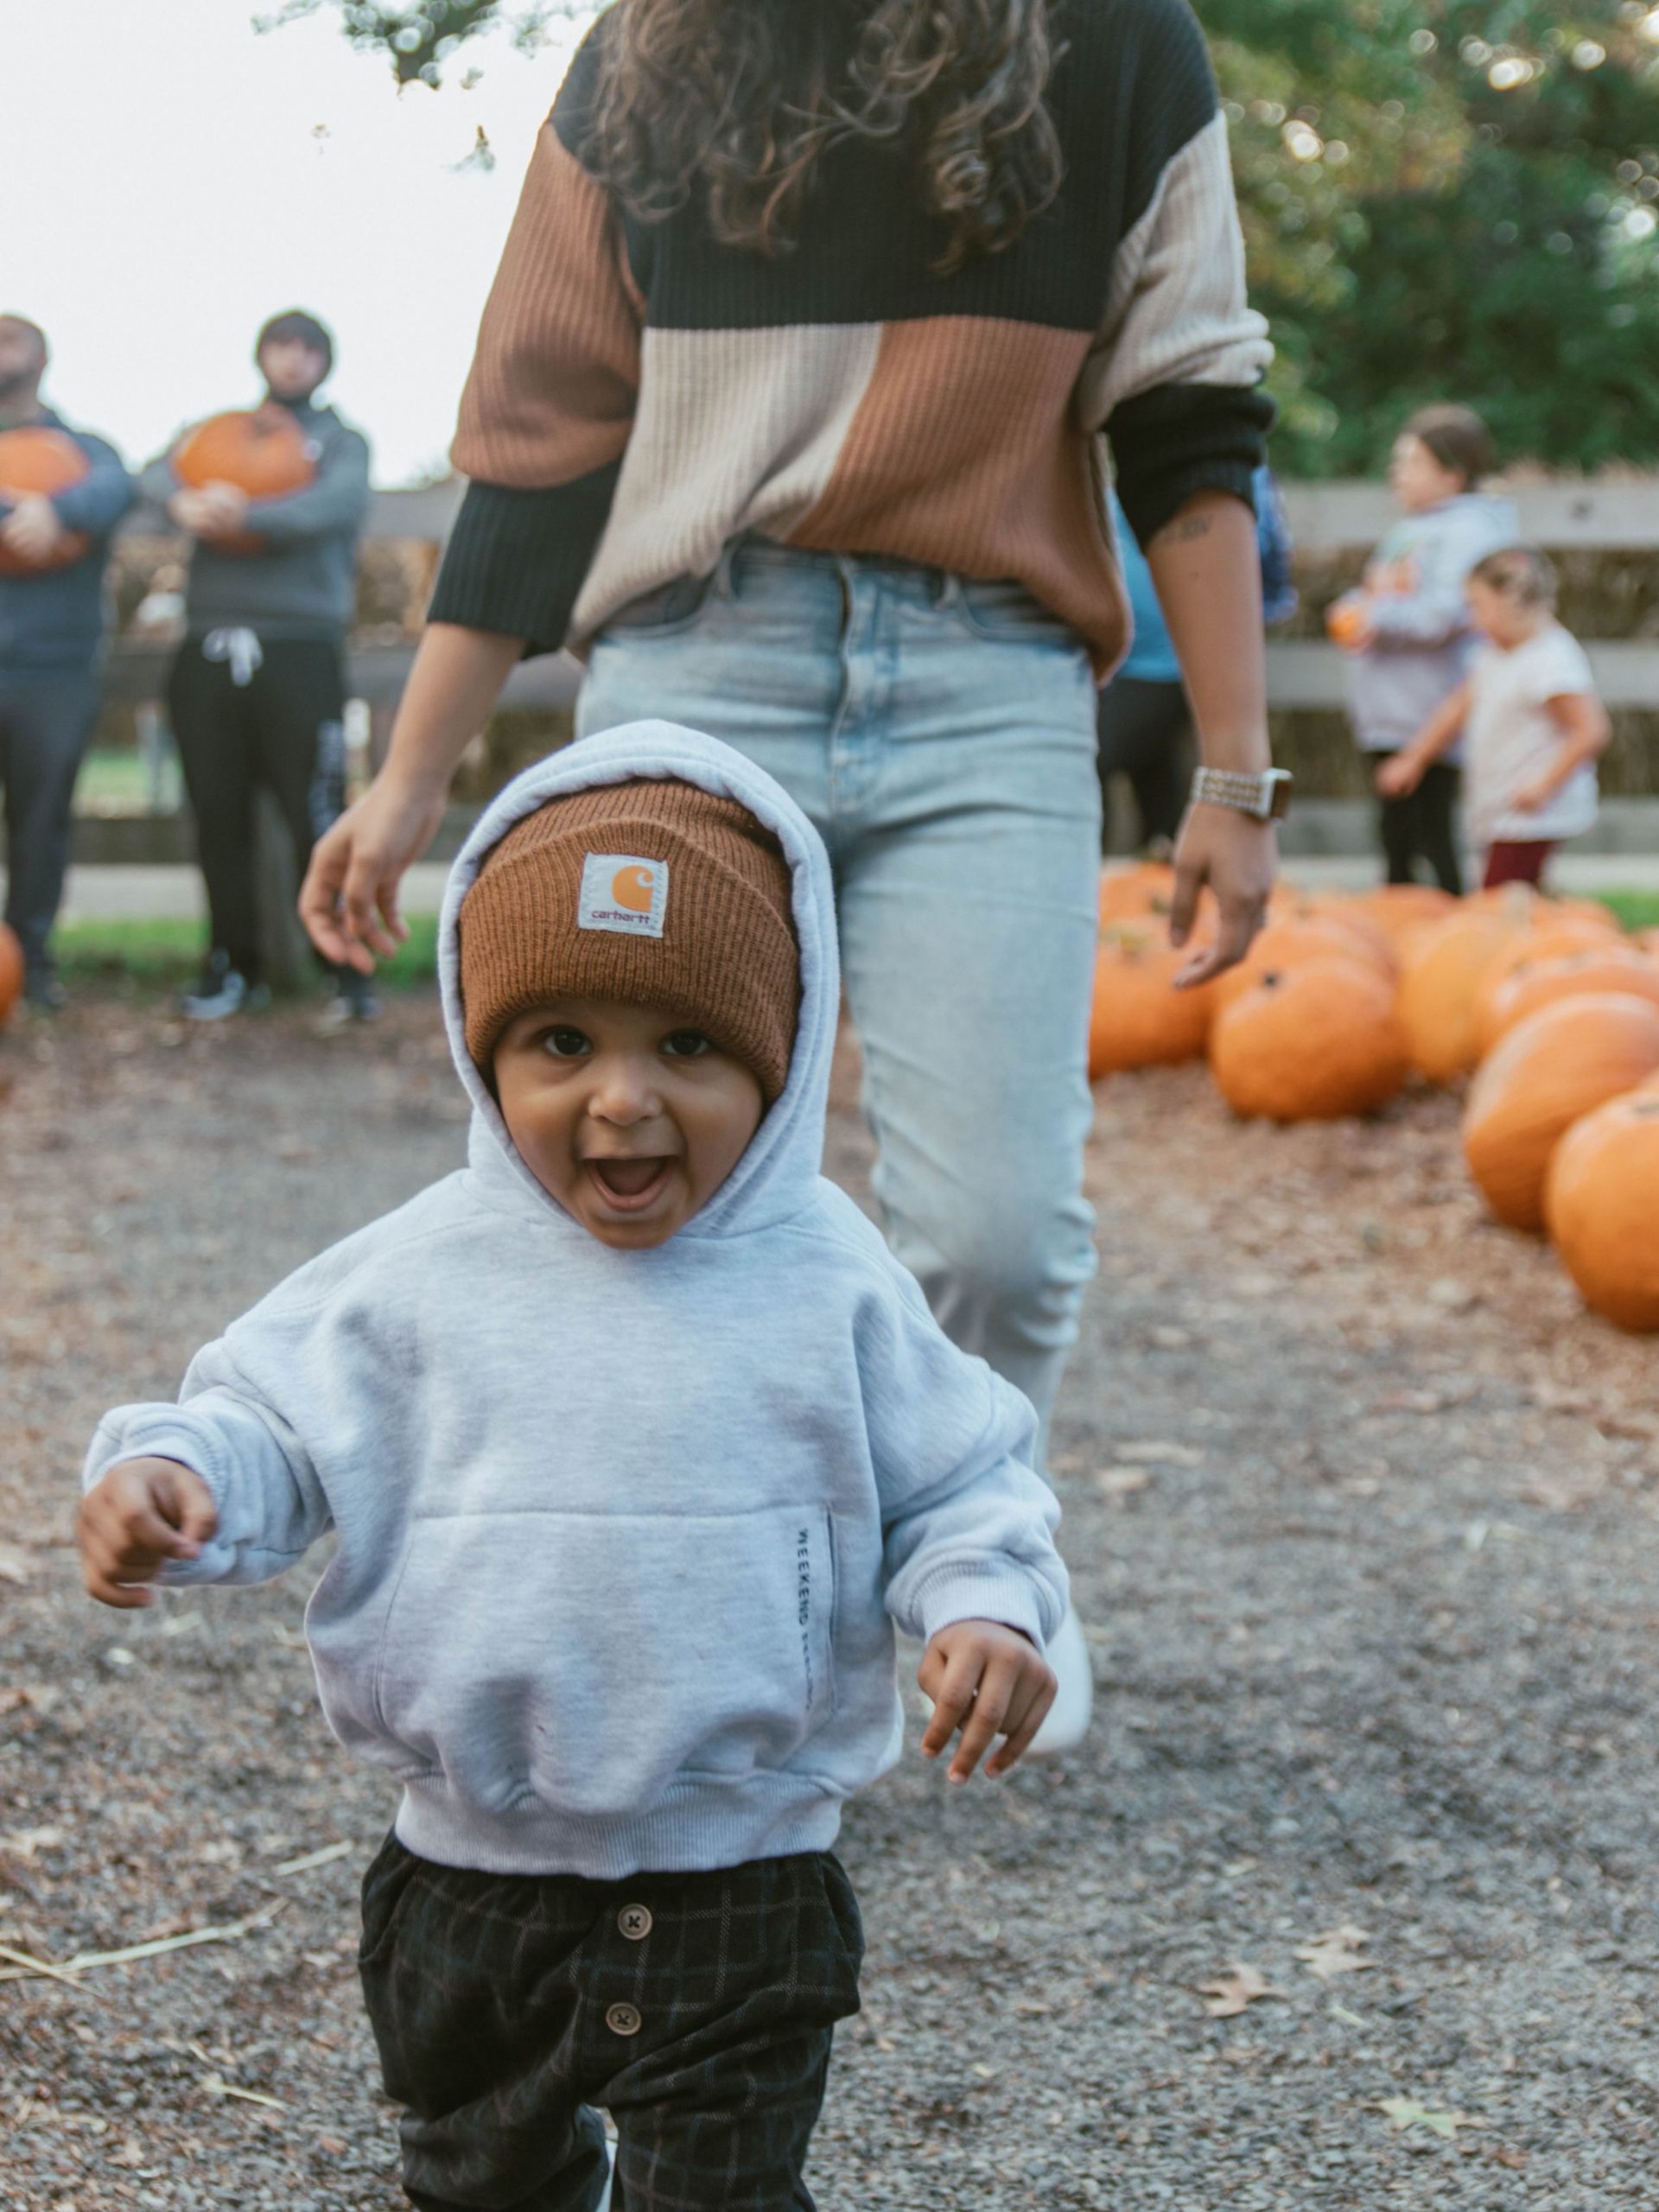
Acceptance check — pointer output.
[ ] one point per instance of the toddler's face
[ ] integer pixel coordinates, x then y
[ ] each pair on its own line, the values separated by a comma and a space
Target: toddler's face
630, 1118
1501, 618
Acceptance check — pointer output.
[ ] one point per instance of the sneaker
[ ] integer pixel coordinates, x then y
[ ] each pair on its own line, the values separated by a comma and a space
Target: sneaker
221, 991
1067, 1722
352, 1000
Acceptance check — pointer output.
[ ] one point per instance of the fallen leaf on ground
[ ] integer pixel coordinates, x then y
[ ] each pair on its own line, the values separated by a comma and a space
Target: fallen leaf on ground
1229, 1994
23, 1843
1122, 1482
218, 2086
13, 1565
1158, 1453
1407, 2112
1337, 1951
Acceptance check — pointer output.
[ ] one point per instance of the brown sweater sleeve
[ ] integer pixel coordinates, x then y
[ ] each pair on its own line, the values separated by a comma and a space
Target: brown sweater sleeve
548, 408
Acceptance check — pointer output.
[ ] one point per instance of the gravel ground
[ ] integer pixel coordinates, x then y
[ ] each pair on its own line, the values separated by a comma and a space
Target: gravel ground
1361, 1510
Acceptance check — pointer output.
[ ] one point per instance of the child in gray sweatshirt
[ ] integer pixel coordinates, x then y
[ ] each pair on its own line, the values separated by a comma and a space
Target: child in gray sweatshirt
636, 1444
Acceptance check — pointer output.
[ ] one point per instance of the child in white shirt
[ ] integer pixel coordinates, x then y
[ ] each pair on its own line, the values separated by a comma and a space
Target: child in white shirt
1532, 724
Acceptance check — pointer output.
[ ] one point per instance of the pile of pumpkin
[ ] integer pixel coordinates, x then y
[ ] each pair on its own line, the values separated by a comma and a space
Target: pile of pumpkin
1549, 1008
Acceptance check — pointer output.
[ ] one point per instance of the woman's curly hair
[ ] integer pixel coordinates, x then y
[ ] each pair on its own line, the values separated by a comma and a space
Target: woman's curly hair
736, 100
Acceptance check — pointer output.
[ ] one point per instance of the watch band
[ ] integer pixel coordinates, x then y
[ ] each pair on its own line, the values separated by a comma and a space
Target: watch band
1266, 796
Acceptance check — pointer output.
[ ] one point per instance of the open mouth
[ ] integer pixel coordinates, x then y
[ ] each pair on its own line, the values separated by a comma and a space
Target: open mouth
630, 1185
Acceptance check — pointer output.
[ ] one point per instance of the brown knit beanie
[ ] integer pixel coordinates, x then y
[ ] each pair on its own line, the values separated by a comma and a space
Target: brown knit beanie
656, 893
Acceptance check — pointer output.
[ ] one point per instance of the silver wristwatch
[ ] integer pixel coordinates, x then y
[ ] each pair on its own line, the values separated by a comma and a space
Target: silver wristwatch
1266, 796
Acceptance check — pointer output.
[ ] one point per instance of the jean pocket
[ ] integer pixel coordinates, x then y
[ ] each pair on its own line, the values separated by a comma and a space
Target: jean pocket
669, 611
597, 1658
1008, 614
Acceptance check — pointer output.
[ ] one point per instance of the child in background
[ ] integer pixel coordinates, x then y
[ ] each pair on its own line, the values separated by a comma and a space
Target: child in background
637, 1442
1534, 728
1408, 630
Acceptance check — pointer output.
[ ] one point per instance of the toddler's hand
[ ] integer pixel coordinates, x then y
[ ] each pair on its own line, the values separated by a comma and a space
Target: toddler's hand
139, 1515
1531, 797
989, 1681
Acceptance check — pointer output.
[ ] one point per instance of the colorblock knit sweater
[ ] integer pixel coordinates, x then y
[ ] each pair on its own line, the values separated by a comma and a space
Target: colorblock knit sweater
641, 394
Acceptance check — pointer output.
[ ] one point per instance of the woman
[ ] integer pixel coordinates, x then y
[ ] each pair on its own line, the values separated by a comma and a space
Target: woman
785, 413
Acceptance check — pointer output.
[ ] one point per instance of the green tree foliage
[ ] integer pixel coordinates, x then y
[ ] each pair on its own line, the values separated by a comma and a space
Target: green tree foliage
1441, 199
1451, 201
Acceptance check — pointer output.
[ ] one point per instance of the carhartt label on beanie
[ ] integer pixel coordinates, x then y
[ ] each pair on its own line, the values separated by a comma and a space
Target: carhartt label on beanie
654, 893
621, 892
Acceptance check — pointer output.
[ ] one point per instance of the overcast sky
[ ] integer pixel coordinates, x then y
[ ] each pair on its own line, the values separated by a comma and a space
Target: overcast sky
171, 178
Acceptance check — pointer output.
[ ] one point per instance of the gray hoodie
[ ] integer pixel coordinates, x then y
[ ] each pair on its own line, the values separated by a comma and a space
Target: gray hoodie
622, 1535
1423, 636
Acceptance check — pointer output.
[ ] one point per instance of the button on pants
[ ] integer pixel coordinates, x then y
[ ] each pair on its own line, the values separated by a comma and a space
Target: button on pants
697, 2009
941, 736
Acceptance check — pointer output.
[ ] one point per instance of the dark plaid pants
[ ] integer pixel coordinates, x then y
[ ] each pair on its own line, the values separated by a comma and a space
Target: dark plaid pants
697, 2009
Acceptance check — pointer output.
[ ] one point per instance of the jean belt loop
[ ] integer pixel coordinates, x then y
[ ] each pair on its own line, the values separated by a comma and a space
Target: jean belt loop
726, 570
947, 589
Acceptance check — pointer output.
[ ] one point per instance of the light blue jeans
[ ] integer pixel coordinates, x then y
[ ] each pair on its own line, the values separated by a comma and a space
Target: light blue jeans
941, 735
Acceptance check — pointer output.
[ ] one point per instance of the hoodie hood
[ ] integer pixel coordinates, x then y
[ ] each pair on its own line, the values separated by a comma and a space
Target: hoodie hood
777, 1175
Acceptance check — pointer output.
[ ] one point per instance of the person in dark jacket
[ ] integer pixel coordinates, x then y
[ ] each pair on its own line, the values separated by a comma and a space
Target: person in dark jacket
51, 634
258, 691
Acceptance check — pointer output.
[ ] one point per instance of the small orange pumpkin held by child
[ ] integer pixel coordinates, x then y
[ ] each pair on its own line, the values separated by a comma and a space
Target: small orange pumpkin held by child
1140, 1020
1601, 1205
1440, 972
1315, 1042
1345, 620
1286, 945
1535, 983
36, 459
261, 450
1557, 1065
11, 972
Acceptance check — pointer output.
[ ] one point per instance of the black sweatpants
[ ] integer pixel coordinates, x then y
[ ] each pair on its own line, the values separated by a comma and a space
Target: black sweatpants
1143, 731
281, 729
697, 2009
1420, 826
45, 722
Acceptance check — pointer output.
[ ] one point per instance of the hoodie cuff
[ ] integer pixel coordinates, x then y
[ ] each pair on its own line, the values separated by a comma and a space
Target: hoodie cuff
973, 1591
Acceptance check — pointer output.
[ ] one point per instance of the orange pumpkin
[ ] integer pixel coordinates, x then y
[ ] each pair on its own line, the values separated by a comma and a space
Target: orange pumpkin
1398, 909
262, 451
1543, 939
12, 971
1558, 1065
1310, 1043
1440, 974
1285, 944
1129, 895
1345, 619
1140, 1020
1600, 1204
36, 459
1535, 983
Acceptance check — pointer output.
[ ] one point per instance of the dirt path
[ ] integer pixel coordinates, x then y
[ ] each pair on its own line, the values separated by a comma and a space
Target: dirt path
1362, 1514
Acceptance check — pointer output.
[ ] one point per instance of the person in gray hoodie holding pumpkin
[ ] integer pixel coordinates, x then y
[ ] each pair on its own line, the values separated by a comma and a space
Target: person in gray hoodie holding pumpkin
638, 1443
1407, 630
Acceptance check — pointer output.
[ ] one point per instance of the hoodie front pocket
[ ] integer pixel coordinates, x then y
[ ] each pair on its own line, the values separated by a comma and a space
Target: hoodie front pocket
588, 1659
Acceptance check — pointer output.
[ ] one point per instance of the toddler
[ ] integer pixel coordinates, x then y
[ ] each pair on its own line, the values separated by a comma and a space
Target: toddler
635, 1443
1533, 725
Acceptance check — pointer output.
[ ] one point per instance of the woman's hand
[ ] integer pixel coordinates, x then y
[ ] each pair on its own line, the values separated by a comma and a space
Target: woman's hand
1238, 858
348, 901
1399, 775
